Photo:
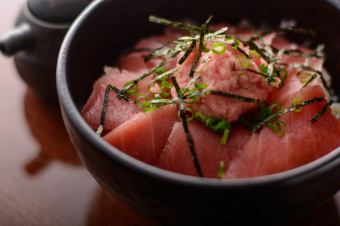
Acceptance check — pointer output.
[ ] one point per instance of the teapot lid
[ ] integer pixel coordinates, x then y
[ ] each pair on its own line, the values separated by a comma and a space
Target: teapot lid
57, 11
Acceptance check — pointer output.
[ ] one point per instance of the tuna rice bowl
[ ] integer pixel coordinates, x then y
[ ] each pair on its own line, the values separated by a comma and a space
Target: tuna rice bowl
218, 101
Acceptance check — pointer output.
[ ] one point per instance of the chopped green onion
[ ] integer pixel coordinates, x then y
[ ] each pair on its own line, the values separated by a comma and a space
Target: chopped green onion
275, 107
160, 70
236, 43
225, 136
216, 124
264, 68
131, 92
218, 48
221, 170
296, 101
166, 84
201, 85
244, 62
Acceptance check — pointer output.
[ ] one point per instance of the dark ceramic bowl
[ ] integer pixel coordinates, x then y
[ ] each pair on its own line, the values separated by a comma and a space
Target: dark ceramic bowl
104, 31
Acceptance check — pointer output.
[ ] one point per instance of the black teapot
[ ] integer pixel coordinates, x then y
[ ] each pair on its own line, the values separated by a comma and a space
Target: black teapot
36, 39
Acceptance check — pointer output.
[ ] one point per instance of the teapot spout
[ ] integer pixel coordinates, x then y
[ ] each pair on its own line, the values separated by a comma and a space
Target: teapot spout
16, 40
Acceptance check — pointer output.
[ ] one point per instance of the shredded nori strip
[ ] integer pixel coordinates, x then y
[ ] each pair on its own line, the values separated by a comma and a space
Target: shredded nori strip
108, 89
175, 24
323, 80
187, 53
233, 96
310, 80
182, 114
257, 49
322, 111
297, 30
256, 72
243, 52
203, 31
134, 82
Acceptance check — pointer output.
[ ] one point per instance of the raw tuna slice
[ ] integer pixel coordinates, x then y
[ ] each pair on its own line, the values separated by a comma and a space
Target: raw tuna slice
135, 61
176, 156
294, 80
145, 135
290, 91
118, 110
280, 43
303, 142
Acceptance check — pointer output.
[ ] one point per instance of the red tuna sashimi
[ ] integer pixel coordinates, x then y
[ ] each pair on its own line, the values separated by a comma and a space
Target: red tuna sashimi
118, 111
294, 83
135, 61
176, 156
145, 135
280, 43
303, 142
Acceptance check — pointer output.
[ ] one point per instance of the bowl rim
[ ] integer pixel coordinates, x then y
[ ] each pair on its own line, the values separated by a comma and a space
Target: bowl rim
312, 169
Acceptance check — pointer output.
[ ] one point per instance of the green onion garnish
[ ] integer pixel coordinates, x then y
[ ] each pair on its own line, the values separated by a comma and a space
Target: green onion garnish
218, 48
218, 125
221, 170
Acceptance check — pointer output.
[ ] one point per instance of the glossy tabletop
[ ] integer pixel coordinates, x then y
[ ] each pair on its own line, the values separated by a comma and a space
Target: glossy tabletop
42, 181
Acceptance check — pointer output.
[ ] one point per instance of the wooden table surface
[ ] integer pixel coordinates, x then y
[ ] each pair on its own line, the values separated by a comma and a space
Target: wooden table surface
42, 181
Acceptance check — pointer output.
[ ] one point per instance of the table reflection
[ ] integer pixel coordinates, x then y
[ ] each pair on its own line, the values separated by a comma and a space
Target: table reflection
46, 125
